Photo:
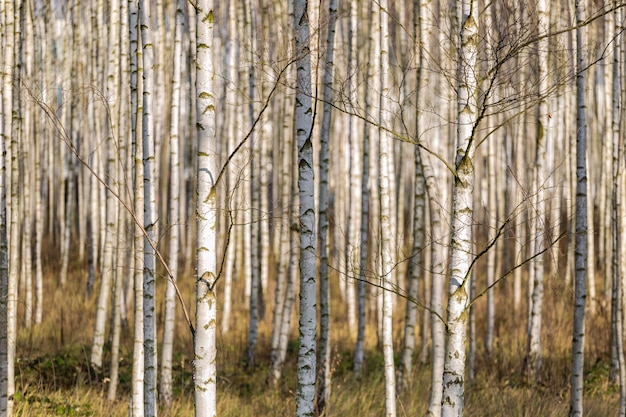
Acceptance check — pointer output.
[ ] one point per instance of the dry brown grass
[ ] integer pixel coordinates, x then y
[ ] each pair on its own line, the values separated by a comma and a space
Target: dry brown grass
54, 379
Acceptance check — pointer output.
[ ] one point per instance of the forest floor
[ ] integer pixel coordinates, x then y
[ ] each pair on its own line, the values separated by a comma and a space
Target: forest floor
53, 376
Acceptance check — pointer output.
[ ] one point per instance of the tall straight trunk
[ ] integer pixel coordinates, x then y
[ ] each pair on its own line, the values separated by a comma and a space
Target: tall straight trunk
205, 349
305, 399
616, 206
386, 214
462, 212
94, 225
137, 406
108, 262
324, 385
580, 257
355, 173
150, 214
26, 148
7, 305
618, 360
281, 320
165, 386
437, 201
359, 351
254, 209
533, 361
419, 214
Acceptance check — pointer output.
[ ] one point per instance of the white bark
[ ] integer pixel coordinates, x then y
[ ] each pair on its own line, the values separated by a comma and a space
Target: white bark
324, 383
108, 262
386, 214
150, 214
305, 399
6, 303
205, 351
354, 172
137, 406
169, 321
580, 277
538, 214
617, 354
618, 360
462, 211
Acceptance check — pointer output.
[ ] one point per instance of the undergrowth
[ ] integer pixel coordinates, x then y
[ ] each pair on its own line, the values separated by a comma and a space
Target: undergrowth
54, 378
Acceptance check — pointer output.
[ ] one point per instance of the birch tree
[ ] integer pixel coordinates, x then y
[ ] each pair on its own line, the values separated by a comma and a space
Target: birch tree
324, 385
359, 353
137, 405
112, 89
165, 386
285, 280
419, 214
7, 281
618, 361
462, 210
580, 258
305, 399
205, 349
539, 205
386, 226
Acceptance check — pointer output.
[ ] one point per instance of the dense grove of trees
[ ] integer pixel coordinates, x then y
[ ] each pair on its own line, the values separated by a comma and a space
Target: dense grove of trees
389, 161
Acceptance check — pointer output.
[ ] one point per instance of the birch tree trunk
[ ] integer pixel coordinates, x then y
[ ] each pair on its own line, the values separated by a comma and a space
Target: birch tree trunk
355, 174
539, 206
150, 214
205, 349
324, 384
6, 303
281, 321
462, 211
254, 189
305, 399
108, 261
359, 351
616, 206
137, 406
580, 277
165, 386
419, 214
386, 215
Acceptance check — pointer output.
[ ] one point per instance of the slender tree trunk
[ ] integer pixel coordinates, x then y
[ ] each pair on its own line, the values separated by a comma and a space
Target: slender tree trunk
136, 64
254, 209
108, 264
281, 321
618, 361
538, 236
386, 215
7, 305
462, 210
324, 384
580, 292
205, 351
150, 213
305, 399
617, 353
165, 387
359, 351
